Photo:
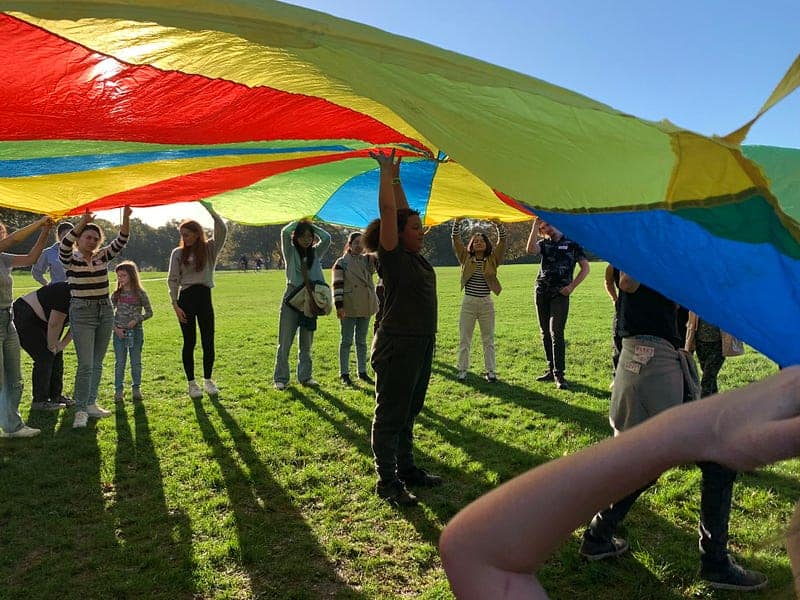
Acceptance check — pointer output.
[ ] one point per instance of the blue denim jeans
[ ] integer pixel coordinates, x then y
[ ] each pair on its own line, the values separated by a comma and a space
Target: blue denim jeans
288, 325
121, 352
91, 322
359, 326
10, 374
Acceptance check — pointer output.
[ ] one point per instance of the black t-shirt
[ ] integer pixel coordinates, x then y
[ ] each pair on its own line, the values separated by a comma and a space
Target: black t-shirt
558, 263
646, 312
54, 296
409, 305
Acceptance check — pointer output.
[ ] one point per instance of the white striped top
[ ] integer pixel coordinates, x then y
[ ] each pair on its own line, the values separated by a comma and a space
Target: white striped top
88, 280
476, 285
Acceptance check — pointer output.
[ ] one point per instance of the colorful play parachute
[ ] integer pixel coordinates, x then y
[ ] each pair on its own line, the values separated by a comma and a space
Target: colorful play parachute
269, 111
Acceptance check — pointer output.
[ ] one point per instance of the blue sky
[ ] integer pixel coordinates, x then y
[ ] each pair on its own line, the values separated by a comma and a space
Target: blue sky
706, 65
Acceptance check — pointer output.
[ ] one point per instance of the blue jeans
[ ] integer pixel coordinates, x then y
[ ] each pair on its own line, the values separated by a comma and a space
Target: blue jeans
10, 374
288, 324
359, 326
121, 352
91, 322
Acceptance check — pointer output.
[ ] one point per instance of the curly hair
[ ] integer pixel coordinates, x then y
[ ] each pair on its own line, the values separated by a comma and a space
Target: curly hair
372, 234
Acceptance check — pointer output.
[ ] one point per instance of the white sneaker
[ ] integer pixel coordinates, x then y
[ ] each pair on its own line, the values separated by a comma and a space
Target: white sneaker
211, 387
81, 418
310, 382
279, 385
22, 432
194, 390
97, 412
462, 375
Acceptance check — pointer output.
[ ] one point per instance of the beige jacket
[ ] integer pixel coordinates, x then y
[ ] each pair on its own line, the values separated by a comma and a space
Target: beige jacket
353, 288
490, 263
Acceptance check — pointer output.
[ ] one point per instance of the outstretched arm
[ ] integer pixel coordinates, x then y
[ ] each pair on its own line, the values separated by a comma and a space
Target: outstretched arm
25, 260
389, 198
455, 238
20, 235
491, 547
611, 287
533, 238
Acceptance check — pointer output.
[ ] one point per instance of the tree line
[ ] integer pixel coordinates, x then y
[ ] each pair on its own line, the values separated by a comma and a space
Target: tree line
150, 247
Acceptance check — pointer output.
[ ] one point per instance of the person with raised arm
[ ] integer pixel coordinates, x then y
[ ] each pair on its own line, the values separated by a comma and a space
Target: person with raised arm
11, 422
479, 261
190, 279
402, 349
91, 317
555, 283
303, 244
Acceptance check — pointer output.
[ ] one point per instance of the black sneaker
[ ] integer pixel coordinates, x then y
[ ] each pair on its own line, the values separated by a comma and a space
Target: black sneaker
561, 383
419, 478
345, 379
394, 492
730, 576
365, 377
66, 401
491, 377
592, 549
48, 405
546, 376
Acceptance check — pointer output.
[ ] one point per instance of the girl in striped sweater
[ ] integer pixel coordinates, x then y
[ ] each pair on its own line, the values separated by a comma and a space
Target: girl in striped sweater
91, 317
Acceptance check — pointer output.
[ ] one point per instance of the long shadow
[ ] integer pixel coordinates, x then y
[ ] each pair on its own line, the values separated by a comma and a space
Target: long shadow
460, 487
359, 437
275, 543
41, 547
157, 541
556, 405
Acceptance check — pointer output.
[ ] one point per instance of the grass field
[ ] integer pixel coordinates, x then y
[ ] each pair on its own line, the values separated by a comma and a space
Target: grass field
267, 494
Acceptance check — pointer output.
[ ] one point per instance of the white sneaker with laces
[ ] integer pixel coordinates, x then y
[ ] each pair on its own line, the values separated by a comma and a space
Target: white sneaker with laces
210, 387
279, 385
22, 432
81, 418
97, 412
194, 390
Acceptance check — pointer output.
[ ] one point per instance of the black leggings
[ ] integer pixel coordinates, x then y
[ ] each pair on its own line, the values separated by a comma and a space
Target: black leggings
195, 301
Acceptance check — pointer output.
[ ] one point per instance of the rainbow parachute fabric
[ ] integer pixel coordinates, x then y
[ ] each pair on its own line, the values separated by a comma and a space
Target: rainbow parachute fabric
268, 111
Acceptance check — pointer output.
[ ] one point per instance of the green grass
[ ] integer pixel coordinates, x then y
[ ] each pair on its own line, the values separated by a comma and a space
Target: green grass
262, 494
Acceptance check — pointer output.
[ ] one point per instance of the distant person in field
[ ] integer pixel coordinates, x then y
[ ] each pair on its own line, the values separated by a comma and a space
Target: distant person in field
131, 309
493, 547
402, 350
190, 279
11, 422
479, 261
49, 260
554, 285
355, 299
243, 262
653, 376
40, 317
302, 244
91, 317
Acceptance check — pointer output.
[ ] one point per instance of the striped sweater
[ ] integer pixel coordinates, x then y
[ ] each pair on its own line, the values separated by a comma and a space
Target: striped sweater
88, 279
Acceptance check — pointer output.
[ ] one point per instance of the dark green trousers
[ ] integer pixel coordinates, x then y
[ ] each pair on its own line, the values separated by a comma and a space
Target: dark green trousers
402, 365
